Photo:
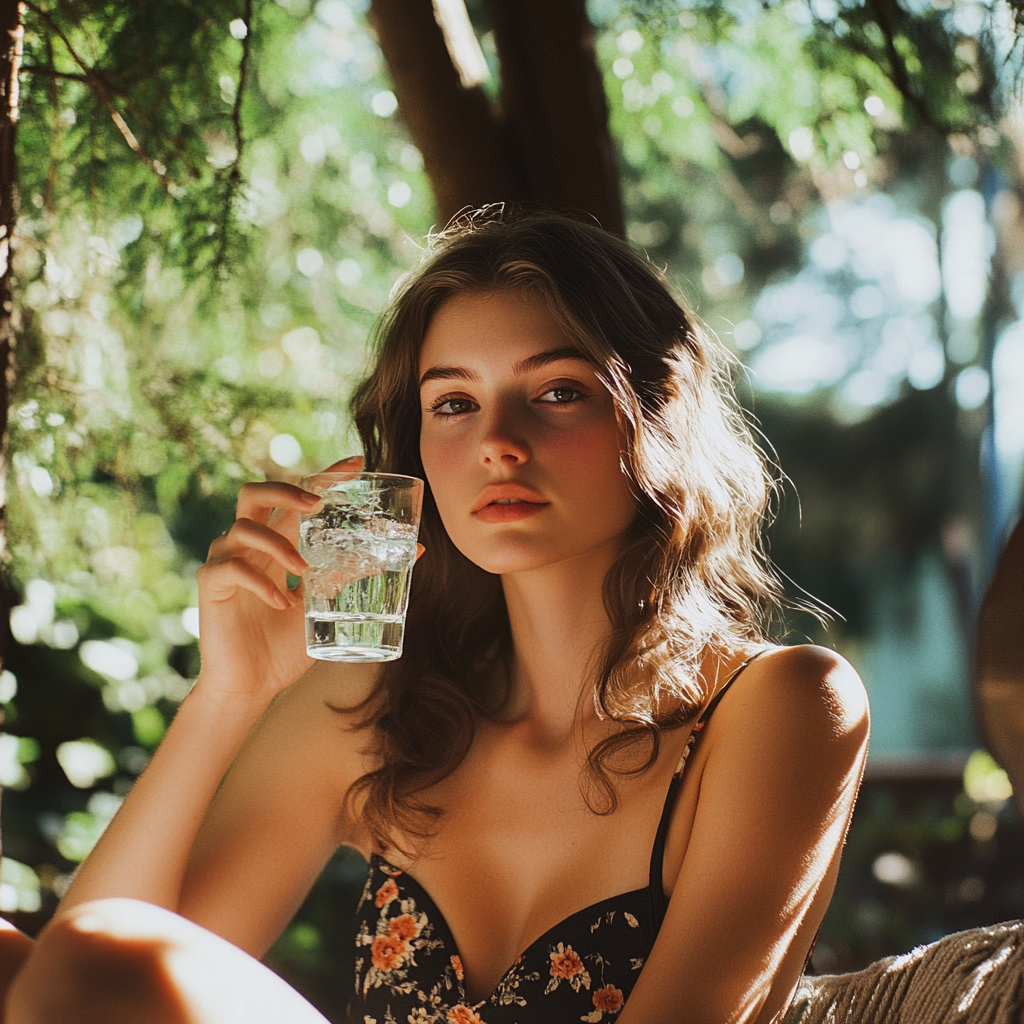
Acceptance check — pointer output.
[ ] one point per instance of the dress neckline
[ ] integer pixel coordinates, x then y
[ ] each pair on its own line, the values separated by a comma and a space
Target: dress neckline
441, 922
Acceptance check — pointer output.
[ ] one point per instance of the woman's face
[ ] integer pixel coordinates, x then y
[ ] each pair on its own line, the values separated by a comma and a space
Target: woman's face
519, 438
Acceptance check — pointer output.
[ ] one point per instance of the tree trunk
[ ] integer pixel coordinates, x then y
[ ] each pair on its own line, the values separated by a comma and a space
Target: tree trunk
463, 146
548, 147
553, 102
10, 59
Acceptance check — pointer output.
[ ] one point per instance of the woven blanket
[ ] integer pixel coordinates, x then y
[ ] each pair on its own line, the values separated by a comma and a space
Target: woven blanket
972, 977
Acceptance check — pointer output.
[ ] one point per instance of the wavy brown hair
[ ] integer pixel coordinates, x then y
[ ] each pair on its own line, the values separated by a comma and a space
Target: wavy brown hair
692, 574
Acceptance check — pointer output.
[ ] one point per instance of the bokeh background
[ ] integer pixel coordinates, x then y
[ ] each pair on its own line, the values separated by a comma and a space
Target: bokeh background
834, 184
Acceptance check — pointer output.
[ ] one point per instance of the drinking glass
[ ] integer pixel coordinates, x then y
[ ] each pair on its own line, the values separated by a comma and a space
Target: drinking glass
361, 547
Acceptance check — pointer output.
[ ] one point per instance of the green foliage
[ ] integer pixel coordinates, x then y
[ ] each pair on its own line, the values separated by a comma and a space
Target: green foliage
150, 387
753, 108
82, 829
109, 131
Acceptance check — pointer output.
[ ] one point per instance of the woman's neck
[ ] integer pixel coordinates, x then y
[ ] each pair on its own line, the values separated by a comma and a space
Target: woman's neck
559, 632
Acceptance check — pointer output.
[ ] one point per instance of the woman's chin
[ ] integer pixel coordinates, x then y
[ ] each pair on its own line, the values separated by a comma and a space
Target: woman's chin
511, 556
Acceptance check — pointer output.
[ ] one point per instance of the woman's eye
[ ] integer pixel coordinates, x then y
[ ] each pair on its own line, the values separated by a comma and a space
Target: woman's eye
562, 396
452, 406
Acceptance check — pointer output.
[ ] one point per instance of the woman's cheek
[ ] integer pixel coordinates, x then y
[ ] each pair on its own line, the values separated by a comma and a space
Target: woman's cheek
592, 454
590, 464
440, 458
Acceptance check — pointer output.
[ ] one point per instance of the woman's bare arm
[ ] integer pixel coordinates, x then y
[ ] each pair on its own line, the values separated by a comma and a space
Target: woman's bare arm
143, 853
252, 649
279, 815
784, 757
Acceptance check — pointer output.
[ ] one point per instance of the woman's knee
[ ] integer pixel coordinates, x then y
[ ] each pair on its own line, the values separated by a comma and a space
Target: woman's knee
100, 963
121, 961
15, 948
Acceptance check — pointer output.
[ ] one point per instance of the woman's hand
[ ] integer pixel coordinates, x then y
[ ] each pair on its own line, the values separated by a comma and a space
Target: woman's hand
252, 631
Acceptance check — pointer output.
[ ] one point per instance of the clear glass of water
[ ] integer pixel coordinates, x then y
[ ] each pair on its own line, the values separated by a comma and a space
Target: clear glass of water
361, 547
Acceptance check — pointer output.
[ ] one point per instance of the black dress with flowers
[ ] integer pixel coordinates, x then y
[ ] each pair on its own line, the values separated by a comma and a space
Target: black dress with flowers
408, 969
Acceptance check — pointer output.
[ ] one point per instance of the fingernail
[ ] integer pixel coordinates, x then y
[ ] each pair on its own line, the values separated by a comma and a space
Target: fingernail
282, 601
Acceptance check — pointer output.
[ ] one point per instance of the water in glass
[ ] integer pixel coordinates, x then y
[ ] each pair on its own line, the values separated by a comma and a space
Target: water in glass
357, 586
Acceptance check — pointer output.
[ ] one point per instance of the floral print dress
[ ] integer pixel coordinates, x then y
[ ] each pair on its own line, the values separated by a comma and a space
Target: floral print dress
409, 970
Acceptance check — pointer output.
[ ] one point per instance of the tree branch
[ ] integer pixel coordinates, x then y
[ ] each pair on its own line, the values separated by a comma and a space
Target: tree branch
234, 174
55, 134
70, 76
100, 87
463, 46
898, 73
11, 36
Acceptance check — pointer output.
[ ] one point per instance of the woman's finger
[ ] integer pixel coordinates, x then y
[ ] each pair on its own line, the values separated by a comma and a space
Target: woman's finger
223, 579
350, 465
247, 534
257, 501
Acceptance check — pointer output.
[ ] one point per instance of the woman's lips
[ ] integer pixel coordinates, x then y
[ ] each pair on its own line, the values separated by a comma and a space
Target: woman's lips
507, 501
509, 510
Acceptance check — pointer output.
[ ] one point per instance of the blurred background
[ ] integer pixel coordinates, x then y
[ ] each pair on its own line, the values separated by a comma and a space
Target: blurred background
214, 204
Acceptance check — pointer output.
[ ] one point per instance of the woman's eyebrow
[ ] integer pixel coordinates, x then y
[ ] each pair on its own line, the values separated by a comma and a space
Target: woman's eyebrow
447, 373
534, 362
543, 358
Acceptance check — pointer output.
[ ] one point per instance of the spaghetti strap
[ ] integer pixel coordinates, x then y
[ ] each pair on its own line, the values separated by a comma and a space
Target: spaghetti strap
658, 852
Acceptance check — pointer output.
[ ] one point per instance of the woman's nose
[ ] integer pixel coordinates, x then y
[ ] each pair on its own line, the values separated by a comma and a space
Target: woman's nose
504, 442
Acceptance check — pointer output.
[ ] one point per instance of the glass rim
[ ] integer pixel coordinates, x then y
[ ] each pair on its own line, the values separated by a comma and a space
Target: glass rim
396, 479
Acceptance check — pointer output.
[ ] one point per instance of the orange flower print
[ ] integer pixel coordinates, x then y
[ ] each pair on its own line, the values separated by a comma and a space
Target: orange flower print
565, 963
457, 964
386, 893
404, 927
387, 951
463, 1015
608, 999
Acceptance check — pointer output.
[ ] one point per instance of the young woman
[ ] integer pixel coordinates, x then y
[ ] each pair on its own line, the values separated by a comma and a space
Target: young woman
591, 789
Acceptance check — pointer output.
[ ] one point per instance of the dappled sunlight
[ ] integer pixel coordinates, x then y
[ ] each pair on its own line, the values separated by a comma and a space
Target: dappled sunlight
859, 320
985, 782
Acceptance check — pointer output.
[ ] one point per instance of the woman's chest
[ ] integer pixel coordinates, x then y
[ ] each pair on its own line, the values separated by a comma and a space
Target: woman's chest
514, 858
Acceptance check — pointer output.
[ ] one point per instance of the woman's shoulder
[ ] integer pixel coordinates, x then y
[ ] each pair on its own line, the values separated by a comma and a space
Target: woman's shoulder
817, 678
807, 696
